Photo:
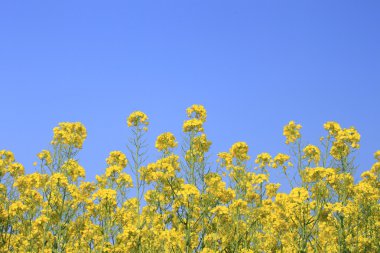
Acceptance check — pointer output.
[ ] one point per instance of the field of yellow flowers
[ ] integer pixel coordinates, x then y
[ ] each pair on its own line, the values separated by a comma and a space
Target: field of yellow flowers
184, 202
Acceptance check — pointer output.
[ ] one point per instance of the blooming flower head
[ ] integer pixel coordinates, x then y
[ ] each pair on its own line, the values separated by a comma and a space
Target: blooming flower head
312, 153
197, 115
58, 179
70, 134
136, 118
125, 180
349, 136
198, 110
339, 150
344, 139
377, 155
191, 125
281, 160
263, 159
117, 158
73, 169
299, 194
106, 196
6, 157
201, 144
239, 150
161, 170
332, 127
165, 142
225, 159
17, 208
291, 132
317, 174
16, 169
45, 156
113, 171
271, 189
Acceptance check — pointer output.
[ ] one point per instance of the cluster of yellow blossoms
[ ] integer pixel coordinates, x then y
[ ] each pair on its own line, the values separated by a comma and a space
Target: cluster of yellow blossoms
197, 115
165, 142
182, 203
312, 153
71, 134
138, 118
291, 132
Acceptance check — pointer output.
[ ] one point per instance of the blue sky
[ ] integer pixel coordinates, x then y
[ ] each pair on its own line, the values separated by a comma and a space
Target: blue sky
254, 65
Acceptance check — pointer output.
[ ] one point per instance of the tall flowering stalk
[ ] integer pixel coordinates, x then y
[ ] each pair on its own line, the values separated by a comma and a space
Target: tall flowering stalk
138, 123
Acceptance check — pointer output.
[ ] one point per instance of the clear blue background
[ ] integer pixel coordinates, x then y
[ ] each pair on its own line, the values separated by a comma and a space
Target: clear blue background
254, 65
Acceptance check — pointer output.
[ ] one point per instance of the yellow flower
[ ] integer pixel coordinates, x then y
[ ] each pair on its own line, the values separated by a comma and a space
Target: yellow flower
220, 210
339, 150
216, 187
125, 180
312, 153
239, 151
332, 127
291, 132
165, 142
45, 156
376, 167
70, 134
225, 159
161, 170
238, 204
16, 169
280, 160
17, 208
6, 158
349, 136
191, 125
377, 155
299, 194
317, 174
344, 139
136, 118
200, 144
101, 180
271, 189
117, 158
106, 196
58, 179
198, 110
113, 170
187, 192
263, 159
73, 169
257, 178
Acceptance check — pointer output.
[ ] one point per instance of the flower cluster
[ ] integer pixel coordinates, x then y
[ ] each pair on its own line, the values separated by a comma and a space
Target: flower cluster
165, 142
344, 140
281, 160
137, 118
45, 156
264, 159
117, 158
312, 153
240, 151
291, 132
69, 134
183, 203
198, 110
197, 115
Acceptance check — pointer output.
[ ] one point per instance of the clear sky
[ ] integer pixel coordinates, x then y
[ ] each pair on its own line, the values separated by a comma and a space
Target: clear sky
254, 65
